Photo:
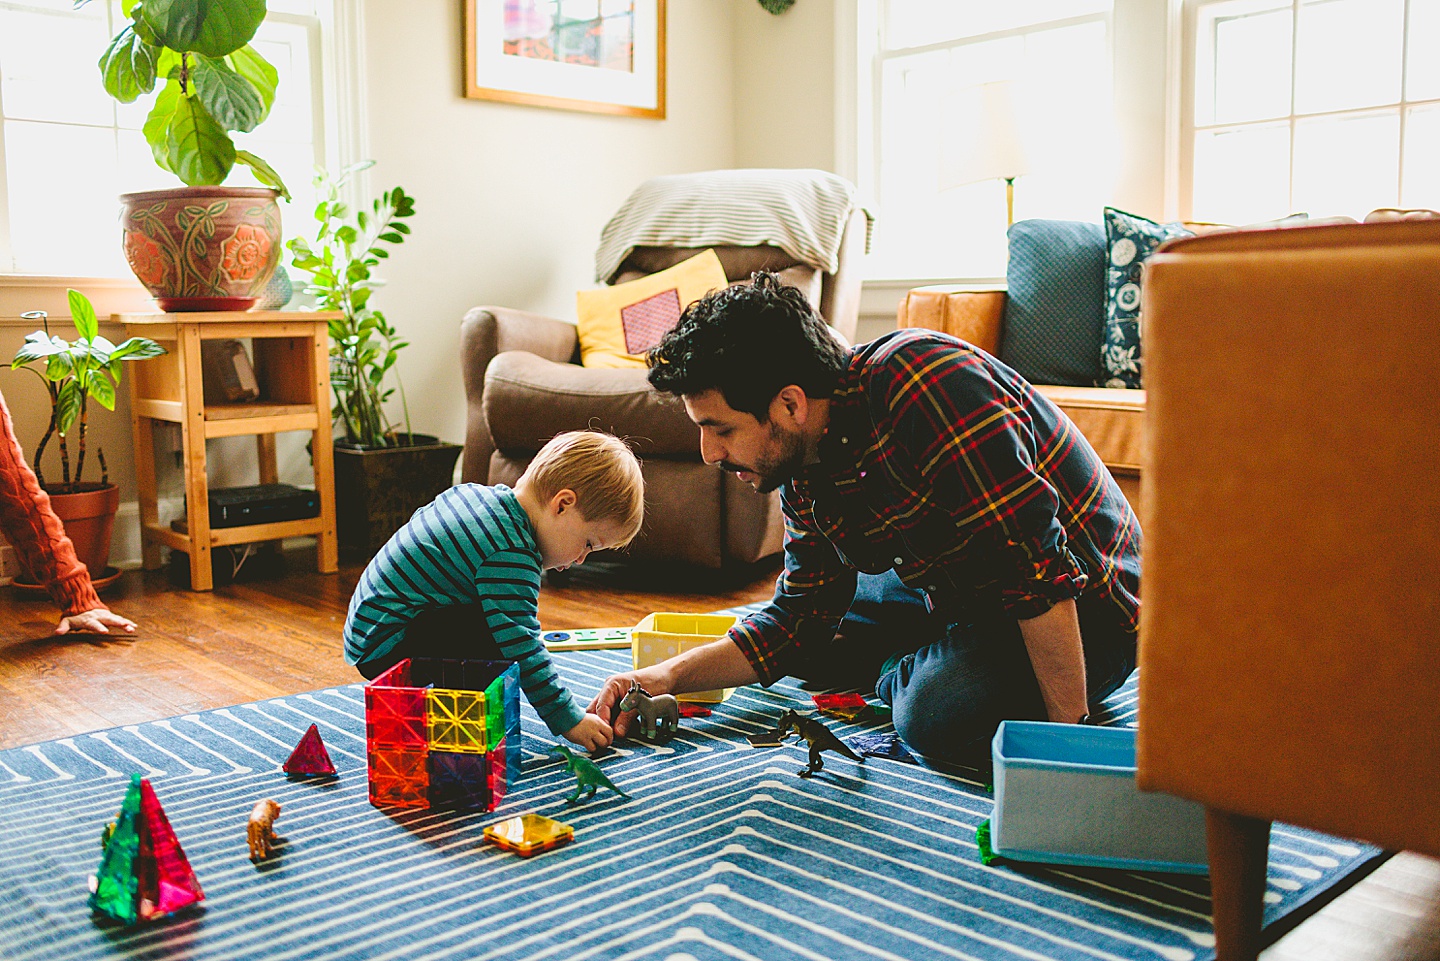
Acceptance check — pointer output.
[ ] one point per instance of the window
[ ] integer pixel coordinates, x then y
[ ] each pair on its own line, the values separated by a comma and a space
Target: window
936, 67
67, 150
1331, 107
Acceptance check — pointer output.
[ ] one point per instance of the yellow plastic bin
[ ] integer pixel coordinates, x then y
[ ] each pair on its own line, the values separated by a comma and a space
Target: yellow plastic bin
659, 637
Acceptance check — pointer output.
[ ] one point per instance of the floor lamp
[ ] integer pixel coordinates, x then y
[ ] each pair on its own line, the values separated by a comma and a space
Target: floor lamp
986, 141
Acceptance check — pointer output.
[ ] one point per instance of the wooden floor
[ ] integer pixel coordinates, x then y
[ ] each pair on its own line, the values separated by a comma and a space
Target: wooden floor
281, 635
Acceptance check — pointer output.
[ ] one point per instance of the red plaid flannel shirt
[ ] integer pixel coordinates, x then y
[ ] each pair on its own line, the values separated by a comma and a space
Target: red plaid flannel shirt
942, 463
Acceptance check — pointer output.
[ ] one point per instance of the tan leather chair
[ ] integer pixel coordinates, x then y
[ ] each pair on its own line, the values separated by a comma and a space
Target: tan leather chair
1290, 634
1112, 420
524, 384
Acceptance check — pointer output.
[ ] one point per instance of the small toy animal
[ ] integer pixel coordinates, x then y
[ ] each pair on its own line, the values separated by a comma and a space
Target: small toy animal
819, 737
261, 829
588, 776
659, 714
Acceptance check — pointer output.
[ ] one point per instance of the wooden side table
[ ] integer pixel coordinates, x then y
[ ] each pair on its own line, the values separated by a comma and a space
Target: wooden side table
292, 365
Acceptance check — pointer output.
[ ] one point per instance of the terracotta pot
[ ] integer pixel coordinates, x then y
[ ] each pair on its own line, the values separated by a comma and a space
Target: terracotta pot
377, 489
89, 518
202, 248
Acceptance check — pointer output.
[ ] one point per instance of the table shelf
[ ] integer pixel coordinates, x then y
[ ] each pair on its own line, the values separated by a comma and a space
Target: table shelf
291, 361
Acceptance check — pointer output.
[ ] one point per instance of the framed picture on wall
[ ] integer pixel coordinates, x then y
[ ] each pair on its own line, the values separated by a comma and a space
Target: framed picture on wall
602, 56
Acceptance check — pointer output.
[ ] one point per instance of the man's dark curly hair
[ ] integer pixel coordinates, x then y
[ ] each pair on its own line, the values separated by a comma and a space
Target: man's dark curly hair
749, 341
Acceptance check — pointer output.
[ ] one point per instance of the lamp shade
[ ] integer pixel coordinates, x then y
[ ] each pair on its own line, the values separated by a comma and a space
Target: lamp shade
984, 140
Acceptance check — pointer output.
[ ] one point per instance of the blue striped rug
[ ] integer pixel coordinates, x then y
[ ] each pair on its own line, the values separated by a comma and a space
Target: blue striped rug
723, 852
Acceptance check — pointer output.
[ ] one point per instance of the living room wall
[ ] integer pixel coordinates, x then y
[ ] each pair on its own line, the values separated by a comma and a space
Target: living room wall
510, 200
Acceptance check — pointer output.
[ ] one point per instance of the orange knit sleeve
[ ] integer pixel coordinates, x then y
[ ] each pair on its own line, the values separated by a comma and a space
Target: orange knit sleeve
35, 532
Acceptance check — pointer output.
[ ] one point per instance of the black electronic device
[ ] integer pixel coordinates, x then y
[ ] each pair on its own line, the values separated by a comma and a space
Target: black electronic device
261, 504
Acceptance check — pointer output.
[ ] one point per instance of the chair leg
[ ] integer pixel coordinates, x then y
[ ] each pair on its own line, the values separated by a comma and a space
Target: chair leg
1238, 848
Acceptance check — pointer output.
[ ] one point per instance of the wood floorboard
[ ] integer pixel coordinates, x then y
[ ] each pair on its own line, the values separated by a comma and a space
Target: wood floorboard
281, 635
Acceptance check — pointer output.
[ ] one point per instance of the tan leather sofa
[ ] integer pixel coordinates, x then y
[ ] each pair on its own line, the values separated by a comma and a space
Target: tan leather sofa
1112, 420
524, 384
1290, 643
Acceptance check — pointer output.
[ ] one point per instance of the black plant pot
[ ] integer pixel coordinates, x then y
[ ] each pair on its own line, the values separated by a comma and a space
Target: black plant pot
377, 489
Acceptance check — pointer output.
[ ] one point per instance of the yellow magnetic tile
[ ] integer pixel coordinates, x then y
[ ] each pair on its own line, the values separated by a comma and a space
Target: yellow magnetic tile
529, 834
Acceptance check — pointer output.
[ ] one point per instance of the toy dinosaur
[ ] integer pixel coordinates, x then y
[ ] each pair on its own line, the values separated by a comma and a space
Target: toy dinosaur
659, 714
588, 776
819, 737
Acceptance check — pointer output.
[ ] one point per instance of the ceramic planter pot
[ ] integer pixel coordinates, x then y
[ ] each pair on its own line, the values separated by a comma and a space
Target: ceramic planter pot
377, 489
89, 519
202, 248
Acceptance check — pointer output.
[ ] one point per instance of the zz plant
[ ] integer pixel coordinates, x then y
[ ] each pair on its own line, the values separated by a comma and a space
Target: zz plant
212, 83
76, 372
363, 345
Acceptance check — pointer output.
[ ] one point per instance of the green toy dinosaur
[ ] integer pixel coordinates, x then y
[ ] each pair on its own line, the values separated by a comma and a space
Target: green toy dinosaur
819, 737
588, 776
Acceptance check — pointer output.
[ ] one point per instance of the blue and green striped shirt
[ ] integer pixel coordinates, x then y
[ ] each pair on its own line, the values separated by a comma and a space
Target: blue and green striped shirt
471, 545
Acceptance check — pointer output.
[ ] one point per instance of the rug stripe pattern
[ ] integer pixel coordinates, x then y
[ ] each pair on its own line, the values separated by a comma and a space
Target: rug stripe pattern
722, 852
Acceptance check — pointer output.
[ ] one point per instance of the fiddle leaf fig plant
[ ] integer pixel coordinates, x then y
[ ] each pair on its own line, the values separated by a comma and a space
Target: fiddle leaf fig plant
76, 372
212, 83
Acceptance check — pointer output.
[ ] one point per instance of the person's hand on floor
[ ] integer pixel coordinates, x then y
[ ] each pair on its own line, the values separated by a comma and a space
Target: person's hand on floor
99, 620
591, 733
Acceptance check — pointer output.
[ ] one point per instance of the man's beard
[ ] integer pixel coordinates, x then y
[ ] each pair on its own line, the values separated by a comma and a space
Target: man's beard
772, 472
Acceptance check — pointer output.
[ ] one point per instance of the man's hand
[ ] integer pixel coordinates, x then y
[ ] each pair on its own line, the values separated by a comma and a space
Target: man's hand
719, 663
99, 620
592, 733
616, 686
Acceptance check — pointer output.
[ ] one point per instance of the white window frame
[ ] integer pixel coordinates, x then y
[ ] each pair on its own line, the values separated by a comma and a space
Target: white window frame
1145, 45
1187, 128
336, 57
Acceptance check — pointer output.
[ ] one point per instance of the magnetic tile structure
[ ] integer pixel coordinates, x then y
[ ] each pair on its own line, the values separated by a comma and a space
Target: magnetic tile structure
443, 733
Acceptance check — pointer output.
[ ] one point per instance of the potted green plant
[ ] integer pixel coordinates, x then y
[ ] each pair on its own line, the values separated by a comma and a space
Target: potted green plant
75, 373
382, 474
202, 246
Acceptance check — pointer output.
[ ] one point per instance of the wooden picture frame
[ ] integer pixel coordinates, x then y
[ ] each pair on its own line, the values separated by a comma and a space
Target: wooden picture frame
541, 53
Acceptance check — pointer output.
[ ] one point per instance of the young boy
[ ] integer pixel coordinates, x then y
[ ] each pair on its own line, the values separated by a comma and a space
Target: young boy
462, 578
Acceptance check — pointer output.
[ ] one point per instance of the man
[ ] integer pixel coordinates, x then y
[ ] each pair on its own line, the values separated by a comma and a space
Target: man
1004, 560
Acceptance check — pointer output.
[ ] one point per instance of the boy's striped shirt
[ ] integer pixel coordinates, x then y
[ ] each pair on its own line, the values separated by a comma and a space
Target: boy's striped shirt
471, 545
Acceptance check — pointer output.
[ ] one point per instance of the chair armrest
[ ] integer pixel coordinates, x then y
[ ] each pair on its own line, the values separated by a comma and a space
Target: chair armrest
976, 316
529, 399
484, 333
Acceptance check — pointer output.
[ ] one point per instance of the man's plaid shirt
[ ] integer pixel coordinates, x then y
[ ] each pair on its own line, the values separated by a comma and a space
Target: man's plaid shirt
946, 465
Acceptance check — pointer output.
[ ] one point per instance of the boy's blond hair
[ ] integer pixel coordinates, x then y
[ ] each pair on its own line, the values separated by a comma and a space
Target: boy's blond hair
603, 472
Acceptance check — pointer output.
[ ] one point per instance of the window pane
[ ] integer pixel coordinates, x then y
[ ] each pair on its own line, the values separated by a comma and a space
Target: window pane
1242, 176
1422, 158
1347, 165
932, 225
64, 207
1348, 54
915, 23
1252, 67
1423, 68
48, 65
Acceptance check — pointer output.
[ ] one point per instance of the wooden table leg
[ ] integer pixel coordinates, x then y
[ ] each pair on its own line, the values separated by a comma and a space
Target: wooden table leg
1239, 848
197, 489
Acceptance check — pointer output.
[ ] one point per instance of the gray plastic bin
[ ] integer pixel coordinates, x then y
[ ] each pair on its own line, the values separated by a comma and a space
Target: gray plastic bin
1065, 794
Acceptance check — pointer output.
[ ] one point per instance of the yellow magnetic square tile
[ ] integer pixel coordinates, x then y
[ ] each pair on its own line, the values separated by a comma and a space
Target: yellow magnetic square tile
529, 834
456, 720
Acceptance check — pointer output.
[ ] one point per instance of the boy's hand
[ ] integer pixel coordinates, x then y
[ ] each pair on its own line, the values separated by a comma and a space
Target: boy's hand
591, 733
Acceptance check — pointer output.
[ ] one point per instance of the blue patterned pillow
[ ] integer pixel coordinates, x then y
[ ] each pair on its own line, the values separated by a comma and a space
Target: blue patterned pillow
1129, 240
1055, 308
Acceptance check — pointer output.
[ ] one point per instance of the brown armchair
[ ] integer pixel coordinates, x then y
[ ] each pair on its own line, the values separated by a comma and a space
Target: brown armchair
524, 384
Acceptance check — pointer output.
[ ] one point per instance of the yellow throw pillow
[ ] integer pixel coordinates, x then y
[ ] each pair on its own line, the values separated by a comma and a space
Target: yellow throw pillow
619, 324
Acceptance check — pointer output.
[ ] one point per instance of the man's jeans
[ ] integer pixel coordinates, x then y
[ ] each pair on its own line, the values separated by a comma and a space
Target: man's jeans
954, 683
